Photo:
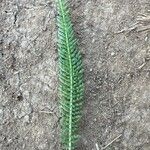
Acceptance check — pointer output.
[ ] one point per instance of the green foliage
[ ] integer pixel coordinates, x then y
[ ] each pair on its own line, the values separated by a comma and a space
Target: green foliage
70, 78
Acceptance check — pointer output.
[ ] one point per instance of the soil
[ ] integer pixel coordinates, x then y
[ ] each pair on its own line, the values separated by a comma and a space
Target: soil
114, 38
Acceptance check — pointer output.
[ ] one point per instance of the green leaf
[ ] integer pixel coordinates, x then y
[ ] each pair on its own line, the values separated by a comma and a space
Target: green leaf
70, 78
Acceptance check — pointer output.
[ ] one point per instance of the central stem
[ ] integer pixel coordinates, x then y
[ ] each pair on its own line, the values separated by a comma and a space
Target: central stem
71, 76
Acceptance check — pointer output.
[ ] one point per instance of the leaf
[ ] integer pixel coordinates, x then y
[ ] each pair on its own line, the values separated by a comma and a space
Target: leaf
70, 78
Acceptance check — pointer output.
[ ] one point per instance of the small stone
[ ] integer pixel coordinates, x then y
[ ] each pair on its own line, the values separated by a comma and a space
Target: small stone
91, 70
9, 141
112, 54
95, 119
26, 119
146, 38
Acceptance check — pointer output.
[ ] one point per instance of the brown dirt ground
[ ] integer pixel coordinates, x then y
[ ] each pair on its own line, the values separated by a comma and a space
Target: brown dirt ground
114, 37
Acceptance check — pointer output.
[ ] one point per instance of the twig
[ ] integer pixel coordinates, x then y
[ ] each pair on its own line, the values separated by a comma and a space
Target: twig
112, 141
143, 28
126, 30
140, 67
46, 112
96, 145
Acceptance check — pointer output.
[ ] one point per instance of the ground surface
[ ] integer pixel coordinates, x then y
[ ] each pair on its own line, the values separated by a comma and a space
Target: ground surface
114, 37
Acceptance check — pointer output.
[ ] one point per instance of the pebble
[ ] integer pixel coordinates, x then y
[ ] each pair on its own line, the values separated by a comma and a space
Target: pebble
91, 70
112, 54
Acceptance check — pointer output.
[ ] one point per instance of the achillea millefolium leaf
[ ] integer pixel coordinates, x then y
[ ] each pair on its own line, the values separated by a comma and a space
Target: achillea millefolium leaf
70, 78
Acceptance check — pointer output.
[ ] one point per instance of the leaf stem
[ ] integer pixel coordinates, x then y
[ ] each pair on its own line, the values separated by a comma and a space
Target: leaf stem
71, 77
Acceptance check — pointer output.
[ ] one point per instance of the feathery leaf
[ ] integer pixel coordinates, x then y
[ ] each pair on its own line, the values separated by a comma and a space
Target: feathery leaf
70, 77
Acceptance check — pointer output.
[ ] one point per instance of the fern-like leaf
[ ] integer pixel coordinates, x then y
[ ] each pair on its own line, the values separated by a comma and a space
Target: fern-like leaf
70, 77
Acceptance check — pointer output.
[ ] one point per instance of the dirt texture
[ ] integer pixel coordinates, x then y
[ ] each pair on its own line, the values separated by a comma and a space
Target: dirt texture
114, 38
